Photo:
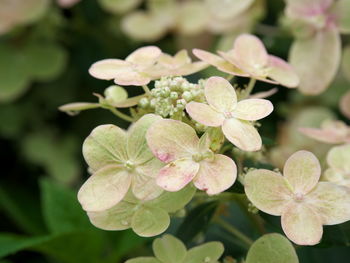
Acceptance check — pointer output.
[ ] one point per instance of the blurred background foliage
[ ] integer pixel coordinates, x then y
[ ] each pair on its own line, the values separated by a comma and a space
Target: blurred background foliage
46, 48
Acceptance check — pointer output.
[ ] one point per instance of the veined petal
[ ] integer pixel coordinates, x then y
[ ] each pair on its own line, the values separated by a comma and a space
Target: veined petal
105, 145
301, 224
104, 189
331, 202
252, 109
169, 249
116, 218
204, 114
282, 72
150, 168
250, 53
131, 78
339, 158
176, 175
108, 68
220, 94
144, 55
267, 190
144, 187
170, 140
137, 148
302, 170
217, 175
242, 134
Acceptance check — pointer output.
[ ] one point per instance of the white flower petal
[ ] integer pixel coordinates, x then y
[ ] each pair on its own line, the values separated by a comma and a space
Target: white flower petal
282, 72
144, 55
252, 109
109, 68
204, 114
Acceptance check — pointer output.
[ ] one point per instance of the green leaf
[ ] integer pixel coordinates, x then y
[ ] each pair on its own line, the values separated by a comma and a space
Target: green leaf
196, 221
150, 221
61, 209
272, 248
169, 249
208, 252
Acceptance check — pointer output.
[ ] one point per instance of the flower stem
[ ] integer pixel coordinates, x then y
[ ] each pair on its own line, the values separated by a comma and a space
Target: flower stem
146, 89
120, 114
249, 88
234, 231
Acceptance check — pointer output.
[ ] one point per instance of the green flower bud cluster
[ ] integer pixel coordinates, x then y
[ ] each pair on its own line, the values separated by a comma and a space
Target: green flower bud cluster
170, 96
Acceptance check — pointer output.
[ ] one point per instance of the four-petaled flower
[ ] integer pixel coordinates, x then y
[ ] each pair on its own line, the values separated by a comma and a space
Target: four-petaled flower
119, 160
304, 203
134, 70
249, 58
188, 159
234, 117
338, 160
331, 131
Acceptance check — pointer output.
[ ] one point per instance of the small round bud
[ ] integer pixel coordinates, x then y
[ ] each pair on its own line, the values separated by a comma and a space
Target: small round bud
144, 103
174, 95
187, 95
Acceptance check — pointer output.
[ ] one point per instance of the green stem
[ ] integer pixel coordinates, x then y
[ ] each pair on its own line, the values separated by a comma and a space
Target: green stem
146, 89
120, 114
249, 88
234, 231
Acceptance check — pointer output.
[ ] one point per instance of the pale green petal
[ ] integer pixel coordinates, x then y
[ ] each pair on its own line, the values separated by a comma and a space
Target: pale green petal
227, 9
301, 8
109, 68
137, 147
267, 190
170, 140
334, 176
339, 158
242, 134
192, 18
252, 109
301, 224
209, 253
119, 6
76, 107
143, 260
177, 174
115, 94
316, 74
174, 201
282, 72
204, 114
331, 202
105, 145
169, 249
302, 170
144, 55
150, 168
272, 248
104, 189
341, 11
220, 94
145, 188
116, 218
210, 180
150, 221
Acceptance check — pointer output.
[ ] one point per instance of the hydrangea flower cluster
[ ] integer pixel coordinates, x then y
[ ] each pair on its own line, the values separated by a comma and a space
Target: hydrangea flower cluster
155, 168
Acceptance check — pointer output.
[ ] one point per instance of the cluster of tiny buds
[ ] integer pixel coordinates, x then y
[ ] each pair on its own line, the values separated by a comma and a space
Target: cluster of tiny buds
170, 96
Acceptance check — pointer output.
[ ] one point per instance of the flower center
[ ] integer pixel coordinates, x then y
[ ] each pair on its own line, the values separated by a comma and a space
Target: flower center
228, 114
298, 197
129, 166
201, 156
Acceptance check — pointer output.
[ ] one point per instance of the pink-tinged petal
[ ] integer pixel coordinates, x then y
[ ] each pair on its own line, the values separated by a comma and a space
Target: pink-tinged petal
105, 145
204, 114
302, 170
250, 53
301, 224
144, 187
263, 94
339, 158
176, 175
341, 11
210, 180
301, 8
190, 69
331, 202
242, 134
345, 105
104, 189
309, 57
217, 62
282, 72
334, 133
109, 68
220, 94
252, 109
132, 78
144, 55
267, 190
170, 140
